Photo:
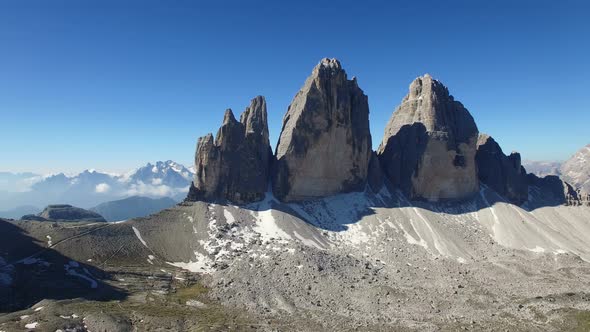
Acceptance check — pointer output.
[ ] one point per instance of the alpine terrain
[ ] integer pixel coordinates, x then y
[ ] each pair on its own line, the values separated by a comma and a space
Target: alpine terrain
437, 230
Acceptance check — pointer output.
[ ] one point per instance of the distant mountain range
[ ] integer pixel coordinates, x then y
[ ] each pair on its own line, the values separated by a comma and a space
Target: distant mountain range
132, 207
575, 170
542, 168
19, 211
22, 192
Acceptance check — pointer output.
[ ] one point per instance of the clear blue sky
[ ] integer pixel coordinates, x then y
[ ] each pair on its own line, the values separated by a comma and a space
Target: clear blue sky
113, 84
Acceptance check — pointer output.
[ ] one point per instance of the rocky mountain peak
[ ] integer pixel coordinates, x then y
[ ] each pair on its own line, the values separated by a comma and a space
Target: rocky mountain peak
332, 65
254, 118
428, 149
325, 144
576, 170
504, 174
228, 117
234, 166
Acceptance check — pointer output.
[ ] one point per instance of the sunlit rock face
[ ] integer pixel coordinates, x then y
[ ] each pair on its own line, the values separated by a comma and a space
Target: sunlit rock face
235, 165
325, 143
428, 150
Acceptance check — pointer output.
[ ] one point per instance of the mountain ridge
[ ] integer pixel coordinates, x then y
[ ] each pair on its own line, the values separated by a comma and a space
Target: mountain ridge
90, 187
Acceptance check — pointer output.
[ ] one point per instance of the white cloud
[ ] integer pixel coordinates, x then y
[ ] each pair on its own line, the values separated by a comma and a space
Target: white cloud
142, 189
102, 188
157, 182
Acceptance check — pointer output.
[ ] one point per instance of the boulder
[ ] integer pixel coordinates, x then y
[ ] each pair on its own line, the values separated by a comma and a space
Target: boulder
235, 166
325, 143
504, 174
428, 150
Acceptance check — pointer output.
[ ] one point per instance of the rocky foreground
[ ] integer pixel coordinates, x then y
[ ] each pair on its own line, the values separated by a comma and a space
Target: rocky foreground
359, 261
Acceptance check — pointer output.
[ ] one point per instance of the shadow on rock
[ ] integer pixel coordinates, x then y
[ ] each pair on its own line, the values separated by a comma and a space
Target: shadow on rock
32, 272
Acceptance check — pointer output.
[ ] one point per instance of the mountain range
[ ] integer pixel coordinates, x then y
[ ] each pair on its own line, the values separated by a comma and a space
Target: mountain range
132, 207
575, 170
30, 192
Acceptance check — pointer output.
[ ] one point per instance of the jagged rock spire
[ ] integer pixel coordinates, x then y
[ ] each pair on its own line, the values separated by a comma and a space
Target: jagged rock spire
325, 142
236, 165
504, 174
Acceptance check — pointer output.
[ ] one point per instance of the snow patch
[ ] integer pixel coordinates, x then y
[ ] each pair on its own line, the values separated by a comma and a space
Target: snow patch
201, 265
32, 325
229, 218
537, 249
138, 235
71, 270
307, 242
267, 227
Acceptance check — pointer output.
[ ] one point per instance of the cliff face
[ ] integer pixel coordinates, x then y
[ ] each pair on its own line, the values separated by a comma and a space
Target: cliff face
235, 166
504, 174
325, 144
428, 150
431, 150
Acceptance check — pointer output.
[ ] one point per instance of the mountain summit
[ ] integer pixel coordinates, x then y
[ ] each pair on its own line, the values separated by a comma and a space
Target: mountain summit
235, 166
325, 143
428, 149
431, 149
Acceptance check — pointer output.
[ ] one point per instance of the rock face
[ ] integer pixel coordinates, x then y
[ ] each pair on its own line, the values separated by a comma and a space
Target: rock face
64, 212
325, 143
555, 191
428, 150
504, 174
576, 170
235, 166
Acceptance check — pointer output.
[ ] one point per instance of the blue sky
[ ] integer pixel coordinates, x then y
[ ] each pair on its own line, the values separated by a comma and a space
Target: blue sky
113, 84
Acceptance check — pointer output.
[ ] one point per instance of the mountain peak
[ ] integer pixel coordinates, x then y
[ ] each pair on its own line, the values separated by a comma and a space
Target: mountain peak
325, 144
228, 117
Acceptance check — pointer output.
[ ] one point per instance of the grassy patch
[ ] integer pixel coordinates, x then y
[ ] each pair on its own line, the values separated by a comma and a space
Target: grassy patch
582, 321
193, 292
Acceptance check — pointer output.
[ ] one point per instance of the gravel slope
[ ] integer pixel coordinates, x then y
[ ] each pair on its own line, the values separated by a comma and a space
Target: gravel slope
359, 260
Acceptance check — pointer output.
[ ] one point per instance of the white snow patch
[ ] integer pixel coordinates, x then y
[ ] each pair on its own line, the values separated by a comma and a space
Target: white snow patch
201, 265
229, 218
31, 325
136, 231
412, 240
267, 227
49, 243
307, 242
71, 270
39, 309
537, 249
